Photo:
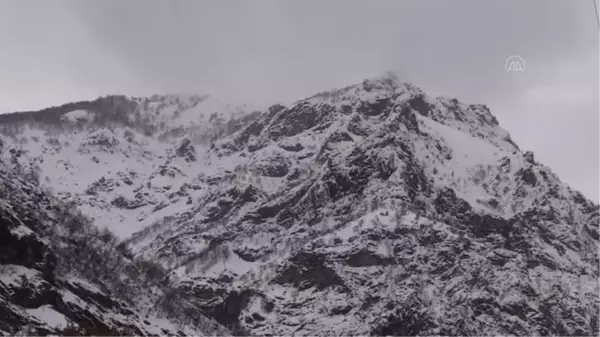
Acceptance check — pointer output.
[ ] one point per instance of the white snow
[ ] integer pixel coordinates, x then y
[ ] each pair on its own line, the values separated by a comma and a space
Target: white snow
471, 157
76, 115
21, 231
234, 264
85, 283
468, 150
11, 274
49, 316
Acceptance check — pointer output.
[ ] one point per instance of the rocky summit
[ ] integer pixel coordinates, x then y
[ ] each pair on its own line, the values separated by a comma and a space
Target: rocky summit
373, 209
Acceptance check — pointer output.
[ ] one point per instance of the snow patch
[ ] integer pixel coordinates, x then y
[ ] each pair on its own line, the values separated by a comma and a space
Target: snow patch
77, 115
49, 316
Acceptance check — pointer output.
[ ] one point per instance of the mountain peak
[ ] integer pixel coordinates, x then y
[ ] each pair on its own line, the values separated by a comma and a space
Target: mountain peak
387, 210
388, 78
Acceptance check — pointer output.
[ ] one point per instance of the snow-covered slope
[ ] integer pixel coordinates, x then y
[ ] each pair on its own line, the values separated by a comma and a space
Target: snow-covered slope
60, 275
371, 209
100, 156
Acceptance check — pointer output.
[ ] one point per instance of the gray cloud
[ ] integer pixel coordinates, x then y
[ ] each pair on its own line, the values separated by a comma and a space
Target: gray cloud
284, 50
270, 41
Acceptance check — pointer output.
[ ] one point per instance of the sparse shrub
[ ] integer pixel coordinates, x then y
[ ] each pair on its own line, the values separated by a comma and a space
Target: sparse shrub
479, 175
128, 135
53, 141
401, 211
95, 331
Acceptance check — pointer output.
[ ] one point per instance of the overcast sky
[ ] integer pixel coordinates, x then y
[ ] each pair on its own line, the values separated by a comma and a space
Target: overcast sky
53, 52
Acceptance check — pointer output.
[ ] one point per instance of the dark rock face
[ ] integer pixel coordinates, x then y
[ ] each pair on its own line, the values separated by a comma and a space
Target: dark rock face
418, 104
356, 127
446, 202
528, 176
186, 150
483, 113
404, 322
366, 258
330, 143
32, 294
121, 202
216, 301
48, 254
379, 107
292, 148
307, 270
38, 286
592, 228
249, 255
276, 166
453, 107
27, 251
529, 157
293, 121
253, 129
407, 118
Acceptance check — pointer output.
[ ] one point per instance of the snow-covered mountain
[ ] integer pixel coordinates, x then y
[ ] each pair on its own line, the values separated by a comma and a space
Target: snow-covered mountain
61, 275
370, 209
